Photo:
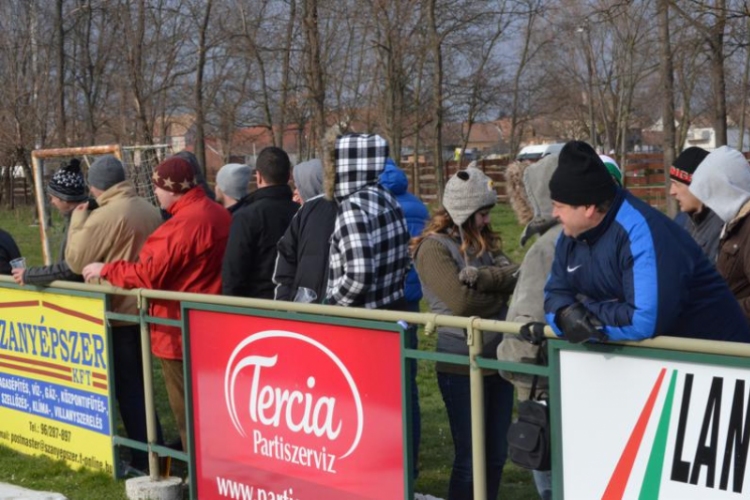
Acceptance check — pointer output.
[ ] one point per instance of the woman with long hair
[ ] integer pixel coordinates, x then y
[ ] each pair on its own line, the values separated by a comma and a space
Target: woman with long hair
464, 273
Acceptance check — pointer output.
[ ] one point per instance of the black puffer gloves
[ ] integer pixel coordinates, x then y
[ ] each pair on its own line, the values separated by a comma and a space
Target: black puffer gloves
578, 324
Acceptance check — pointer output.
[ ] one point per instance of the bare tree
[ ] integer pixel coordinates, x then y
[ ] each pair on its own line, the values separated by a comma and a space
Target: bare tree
482, 84
24, 82
744, 92
396, 25
667, 81
61, 111
91, 57
687, 56
200, 118
712, 34
633, 60
436, 51
157, 60
286, 73
530, 14
314, 73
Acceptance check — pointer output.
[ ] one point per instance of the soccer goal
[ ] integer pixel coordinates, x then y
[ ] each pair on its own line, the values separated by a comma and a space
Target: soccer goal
139, 163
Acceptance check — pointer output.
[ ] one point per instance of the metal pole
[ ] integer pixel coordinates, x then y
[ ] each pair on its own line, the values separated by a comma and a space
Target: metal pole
45, 154
41, 213
476, 381
148, 389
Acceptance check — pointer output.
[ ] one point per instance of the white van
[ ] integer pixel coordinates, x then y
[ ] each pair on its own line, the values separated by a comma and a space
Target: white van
536, 152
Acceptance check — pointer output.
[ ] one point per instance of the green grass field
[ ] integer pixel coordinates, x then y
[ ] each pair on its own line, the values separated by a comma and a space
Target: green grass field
436, 448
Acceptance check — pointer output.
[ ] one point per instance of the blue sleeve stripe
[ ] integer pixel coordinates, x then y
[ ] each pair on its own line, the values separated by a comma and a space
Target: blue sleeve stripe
550, 317
644, 294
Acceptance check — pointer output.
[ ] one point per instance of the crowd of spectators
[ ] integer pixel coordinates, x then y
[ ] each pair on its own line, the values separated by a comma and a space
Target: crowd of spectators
605, 265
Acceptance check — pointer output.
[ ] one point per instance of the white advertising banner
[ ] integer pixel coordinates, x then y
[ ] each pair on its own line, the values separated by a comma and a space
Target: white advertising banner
637, 428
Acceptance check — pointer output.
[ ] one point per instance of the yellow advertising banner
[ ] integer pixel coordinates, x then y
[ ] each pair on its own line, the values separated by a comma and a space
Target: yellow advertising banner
54, 378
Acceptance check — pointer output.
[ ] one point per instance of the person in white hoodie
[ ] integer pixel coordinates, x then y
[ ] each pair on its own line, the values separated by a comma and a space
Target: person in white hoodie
722, 182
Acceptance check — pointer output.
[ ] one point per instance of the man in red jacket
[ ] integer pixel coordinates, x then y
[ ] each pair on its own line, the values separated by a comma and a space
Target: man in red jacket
184, 254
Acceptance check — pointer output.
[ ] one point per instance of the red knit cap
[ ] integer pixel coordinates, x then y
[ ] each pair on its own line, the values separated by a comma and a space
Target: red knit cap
174, 175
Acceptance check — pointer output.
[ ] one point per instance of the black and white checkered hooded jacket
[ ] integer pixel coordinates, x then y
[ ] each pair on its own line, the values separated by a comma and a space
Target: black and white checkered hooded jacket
369, 254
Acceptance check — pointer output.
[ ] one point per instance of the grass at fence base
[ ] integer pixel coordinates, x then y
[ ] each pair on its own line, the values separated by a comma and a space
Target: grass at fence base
436, 453
42, 473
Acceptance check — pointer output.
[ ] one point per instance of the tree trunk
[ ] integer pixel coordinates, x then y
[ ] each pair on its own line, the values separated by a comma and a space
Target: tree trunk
717, 74
315, 74
62, 134
200, 117
285, 77
514, 137
667, 81
743, 111
416, 175
144, 131
437, 98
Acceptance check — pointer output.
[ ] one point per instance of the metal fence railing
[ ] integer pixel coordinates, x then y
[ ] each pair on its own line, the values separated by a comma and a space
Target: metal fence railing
562, 357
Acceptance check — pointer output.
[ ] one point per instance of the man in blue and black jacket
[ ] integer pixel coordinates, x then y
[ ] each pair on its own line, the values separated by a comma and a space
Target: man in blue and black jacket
625, 271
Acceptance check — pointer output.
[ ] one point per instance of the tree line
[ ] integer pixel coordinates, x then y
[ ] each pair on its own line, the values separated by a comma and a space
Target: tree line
84, 72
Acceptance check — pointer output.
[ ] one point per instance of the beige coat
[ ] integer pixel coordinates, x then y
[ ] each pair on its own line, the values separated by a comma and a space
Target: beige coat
114, 231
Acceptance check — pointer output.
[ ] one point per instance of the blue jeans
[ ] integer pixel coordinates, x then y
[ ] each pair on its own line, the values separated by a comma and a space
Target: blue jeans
128, 371
543, 482
498, 407
411, 365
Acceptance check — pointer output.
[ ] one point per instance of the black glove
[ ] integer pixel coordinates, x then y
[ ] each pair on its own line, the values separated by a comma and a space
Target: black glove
93, 205
533, 333
578, 324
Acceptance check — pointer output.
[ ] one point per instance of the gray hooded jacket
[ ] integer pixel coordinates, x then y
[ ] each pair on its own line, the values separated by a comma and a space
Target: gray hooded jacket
527, 304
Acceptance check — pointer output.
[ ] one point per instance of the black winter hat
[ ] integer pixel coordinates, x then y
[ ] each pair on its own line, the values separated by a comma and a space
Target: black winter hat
580, 177
67, 183
684, 166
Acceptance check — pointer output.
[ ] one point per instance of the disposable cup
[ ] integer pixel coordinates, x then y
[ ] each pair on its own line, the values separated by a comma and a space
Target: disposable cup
19, 263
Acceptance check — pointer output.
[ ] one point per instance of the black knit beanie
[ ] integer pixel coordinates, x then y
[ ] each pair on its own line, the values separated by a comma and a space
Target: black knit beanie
581, 177
684, 166
67, 183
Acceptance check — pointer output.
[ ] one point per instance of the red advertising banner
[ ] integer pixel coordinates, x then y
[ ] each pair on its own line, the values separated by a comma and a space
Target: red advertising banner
295, 410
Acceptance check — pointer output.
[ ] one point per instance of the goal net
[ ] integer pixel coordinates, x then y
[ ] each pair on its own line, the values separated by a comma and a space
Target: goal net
138, 161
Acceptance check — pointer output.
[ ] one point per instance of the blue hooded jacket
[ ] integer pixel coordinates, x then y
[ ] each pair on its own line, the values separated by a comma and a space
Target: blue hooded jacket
394, 180
642, 276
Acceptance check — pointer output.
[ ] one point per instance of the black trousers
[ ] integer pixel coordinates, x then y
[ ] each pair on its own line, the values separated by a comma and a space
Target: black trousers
128, 369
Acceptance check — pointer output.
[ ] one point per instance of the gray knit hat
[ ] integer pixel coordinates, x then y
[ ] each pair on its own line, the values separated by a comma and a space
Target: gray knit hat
466, 192
105, 172
233, 180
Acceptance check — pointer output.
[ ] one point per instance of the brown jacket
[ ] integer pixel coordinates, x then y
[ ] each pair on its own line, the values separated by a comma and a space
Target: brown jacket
733, 261
114, 231
439, 263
